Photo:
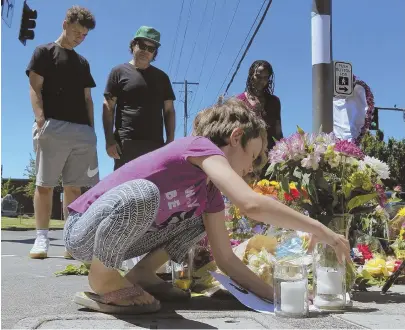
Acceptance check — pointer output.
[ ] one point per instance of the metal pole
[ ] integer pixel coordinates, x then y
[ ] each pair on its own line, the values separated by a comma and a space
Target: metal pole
185, 83
185, 107
322, 69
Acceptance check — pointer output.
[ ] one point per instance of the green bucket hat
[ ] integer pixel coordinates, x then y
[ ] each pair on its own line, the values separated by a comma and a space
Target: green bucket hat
148, 33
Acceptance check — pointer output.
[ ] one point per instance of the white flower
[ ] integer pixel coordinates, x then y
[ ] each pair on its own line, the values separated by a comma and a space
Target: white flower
381, 168
312, 161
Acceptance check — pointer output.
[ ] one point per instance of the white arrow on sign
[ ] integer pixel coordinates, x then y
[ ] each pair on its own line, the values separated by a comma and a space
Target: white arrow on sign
343, 78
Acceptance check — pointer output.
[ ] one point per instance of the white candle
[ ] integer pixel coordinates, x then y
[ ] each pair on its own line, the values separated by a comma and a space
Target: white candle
292, 297
329, 280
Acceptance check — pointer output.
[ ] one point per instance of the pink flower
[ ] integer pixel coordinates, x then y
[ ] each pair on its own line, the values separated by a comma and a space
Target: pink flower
349, 149
398, 188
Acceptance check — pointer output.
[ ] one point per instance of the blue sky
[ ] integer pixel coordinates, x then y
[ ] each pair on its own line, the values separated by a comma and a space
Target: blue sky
367, 33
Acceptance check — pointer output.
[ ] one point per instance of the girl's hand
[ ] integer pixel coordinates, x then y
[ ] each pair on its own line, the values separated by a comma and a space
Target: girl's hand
338, 242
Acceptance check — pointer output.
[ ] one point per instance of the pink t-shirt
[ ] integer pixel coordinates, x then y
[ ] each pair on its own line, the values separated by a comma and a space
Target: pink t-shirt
183, 186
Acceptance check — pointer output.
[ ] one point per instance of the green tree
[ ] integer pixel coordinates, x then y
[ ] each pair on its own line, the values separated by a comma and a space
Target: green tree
391, 152
31, 173
8, 188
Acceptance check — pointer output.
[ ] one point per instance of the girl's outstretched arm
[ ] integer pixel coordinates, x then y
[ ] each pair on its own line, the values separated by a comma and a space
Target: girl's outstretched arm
263, 208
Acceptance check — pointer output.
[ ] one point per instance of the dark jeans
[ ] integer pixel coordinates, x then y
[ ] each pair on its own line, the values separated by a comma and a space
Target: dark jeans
131, 149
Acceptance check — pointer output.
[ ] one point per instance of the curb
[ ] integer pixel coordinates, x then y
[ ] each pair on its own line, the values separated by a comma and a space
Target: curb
25, 229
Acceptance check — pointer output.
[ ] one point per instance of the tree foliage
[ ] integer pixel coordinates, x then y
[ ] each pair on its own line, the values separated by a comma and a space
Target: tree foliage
392, 152
30, 172
8, 188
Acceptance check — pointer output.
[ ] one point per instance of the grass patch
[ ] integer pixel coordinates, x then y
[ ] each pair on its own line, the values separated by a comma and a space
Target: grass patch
11, 223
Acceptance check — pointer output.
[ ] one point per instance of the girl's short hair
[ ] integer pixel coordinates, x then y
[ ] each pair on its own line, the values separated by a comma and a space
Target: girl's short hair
218, 121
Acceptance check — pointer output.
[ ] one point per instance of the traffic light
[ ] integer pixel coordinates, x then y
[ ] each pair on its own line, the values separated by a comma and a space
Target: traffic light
28, 24
374, 122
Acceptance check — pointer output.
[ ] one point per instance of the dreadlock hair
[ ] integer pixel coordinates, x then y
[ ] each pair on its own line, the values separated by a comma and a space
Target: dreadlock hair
218, 121
269, 89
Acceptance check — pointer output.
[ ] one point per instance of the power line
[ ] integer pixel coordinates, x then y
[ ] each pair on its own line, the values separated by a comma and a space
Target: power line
248, 46
184, 38
198, 34
240, 49
220, 52
175, 39
205, 55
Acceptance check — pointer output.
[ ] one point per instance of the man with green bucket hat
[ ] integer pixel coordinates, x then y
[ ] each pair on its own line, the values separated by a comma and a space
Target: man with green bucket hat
139, 98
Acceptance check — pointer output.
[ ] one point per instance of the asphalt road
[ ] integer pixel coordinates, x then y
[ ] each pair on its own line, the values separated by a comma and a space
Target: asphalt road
33, 297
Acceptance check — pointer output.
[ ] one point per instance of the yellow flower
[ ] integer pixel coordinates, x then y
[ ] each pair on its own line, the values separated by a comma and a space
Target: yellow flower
275, 184
292, 185
390, 265
376, 266
263, 183
236, 213
401, 212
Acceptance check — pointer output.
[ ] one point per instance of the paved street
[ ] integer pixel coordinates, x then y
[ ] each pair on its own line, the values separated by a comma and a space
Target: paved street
33, 297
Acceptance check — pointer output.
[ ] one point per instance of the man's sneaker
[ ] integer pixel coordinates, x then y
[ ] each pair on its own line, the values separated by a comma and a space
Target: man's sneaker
40, 248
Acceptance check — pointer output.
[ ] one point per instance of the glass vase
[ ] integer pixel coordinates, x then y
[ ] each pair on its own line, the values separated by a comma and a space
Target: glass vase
290, 284
182, 274
329, 279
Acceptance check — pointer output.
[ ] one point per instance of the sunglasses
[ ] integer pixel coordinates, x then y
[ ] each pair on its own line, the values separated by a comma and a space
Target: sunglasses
143, 46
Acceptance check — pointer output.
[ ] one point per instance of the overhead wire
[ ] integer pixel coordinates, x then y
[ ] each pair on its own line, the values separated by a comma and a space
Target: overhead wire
175, 39
220, 52
184, 38
204, 57
248, 46
240, 49
198, 34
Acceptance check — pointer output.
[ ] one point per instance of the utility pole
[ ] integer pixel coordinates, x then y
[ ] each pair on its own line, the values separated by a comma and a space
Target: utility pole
185, 83
322, 68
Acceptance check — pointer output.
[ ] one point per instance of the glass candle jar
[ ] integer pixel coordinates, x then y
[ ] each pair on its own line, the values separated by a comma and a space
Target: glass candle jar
329, 279
182, 274
290, 290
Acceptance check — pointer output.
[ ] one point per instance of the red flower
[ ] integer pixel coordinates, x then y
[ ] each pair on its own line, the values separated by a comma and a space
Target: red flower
397, 264
365, 251
293, 195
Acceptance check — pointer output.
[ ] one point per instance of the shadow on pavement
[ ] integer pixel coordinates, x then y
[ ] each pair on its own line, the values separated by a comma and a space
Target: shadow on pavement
164, 321
24, 241
378, 298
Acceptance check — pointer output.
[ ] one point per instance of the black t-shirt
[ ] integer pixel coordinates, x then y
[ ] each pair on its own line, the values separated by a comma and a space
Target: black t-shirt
272, 115
140, 101
66, 75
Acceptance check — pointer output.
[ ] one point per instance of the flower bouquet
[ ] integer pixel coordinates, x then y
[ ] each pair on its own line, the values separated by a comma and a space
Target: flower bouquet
332, 177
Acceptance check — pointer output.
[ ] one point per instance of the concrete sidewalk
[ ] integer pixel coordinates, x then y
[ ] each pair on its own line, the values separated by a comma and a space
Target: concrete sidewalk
34, 298
371, 310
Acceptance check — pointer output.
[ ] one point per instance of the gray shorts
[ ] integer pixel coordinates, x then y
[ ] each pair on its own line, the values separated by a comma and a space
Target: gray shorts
65, 148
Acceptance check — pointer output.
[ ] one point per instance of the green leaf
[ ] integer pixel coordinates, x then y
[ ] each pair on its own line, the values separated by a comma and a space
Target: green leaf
285, 184
347, 189
300, 130
271, 169
322, 183
312, 192
360, 200
365, 274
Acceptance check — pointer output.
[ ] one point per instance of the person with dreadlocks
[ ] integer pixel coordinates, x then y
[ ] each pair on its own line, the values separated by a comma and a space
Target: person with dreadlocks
259, 96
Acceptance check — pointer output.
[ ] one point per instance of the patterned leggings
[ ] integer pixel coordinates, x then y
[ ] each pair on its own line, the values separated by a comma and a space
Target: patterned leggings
116, 227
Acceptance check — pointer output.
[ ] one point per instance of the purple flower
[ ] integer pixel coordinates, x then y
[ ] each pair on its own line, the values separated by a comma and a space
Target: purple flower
349, 149
258, 229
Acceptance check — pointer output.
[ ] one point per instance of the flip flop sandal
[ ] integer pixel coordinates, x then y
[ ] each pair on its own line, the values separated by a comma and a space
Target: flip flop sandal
105, 303
166, 292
